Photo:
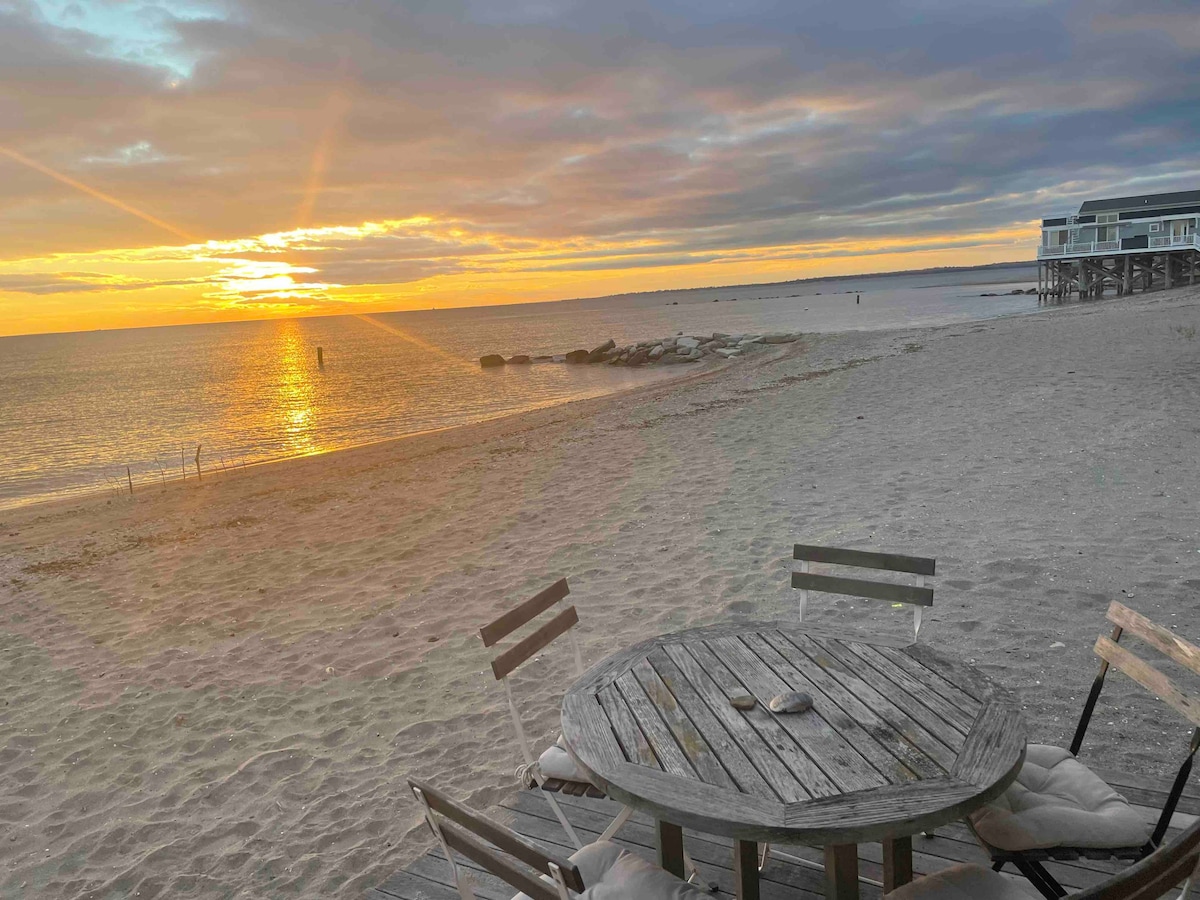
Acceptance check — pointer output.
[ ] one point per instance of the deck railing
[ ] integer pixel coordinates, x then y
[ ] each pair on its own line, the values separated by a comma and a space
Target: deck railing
1175, 240
1172, 241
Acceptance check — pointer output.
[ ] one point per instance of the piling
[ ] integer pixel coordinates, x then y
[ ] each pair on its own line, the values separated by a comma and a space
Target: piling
320, 357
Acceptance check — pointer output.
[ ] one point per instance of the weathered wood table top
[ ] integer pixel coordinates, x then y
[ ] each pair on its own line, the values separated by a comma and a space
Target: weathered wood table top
899, 739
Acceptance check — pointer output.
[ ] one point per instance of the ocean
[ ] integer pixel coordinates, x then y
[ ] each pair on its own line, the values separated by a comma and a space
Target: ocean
78, 409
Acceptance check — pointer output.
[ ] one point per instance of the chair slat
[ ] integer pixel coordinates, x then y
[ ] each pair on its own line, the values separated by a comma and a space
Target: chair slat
1150, 678
517, 654
457, 839
871, 590
505, 839
518, 616
1187, 655
865, 559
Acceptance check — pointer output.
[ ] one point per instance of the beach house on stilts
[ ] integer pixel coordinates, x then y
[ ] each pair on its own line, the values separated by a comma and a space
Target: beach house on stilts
1148, 242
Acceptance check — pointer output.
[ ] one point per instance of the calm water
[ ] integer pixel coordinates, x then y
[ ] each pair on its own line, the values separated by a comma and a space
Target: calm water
76, 409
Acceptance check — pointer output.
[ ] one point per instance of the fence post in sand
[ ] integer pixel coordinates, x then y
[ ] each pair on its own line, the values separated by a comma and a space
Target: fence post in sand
129, 478
198, 462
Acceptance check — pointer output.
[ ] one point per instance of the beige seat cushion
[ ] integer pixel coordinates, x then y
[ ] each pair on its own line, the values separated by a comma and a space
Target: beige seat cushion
555, 762
963, 882
1057, 801
610, 873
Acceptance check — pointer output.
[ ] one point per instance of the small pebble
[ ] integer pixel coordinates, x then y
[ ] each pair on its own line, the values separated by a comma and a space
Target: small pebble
743, 701
791, 702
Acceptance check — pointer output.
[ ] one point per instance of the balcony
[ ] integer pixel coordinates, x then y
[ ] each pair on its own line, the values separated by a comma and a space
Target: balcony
1174, 241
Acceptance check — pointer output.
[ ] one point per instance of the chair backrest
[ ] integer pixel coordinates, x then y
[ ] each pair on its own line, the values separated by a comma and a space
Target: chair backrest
509, 660
918, 596
1155, 875
1186, 703
458, 828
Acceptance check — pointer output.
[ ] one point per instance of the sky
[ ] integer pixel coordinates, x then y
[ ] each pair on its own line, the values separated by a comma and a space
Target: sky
207, 160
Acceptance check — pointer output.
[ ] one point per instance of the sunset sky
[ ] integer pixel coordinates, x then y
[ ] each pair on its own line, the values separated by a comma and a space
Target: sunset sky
170, 162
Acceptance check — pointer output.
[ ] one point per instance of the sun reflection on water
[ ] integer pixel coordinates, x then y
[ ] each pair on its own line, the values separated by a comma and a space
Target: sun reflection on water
295, 399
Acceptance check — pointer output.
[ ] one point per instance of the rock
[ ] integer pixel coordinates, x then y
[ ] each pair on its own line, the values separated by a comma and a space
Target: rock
575, 357
639, 358
689, 342
1056, 645
987, 295
519, 360
751, 339
600, 352
1017, 291
558, 357
694, 354
713, 345
791, 702
543, 358
728, 353
668, 343
743, 701
656, 352
672, 359
491, 360
778, 338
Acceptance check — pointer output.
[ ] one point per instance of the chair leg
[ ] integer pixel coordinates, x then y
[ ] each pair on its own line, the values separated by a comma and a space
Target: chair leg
1037, 875
562, 818
615, 825
693, 874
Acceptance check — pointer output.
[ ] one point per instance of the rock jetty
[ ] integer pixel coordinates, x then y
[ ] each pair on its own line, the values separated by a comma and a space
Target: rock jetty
668, 351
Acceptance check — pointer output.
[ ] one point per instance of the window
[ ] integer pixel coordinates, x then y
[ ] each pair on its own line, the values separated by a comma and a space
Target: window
1155, 226
1106, 219
1106, 233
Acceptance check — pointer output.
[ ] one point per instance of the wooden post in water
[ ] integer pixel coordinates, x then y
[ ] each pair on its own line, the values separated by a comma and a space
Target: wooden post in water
320, 357
129, 478
182, 464
198, 462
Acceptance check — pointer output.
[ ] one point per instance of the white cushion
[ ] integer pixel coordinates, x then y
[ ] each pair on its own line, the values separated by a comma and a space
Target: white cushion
962, 882
556, 763
610, 873
1057, 801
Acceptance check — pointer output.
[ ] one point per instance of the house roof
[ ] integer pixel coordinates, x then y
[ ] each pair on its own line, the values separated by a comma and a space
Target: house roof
1145, 201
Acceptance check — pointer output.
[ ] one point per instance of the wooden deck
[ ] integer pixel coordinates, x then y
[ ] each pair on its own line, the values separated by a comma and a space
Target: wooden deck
429, 878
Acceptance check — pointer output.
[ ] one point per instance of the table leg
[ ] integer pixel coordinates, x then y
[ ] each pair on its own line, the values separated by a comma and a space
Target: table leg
841, 872
745, 869
670, 848
897, 863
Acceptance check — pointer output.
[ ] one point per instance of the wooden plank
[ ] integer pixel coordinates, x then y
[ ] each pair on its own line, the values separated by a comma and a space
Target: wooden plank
892, 756
699, 806
888, 699
1140, 790
890, 676
670, 849
691, 741
589, 737
526, 612
756, 744
672, 759
1150, 678
633, 742
503, 838
829, 751
886, 713
408, 886
881, 812
1187, 655
995, 748
958, 684
518, 653
487, 886
858, 587
745, 776
865, 559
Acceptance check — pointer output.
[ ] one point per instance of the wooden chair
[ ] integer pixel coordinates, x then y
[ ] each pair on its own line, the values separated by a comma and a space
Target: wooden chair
1149, 879
1098, 823
918, 596
507, 662
537, 873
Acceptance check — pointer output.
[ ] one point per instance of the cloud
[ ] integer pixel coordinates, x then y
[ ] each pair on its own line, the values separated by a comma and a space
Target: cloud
557, 135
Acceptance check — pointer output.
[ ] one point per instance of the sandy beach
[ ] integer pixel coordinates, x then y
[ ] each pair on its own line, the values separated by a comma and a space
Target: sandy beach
217, 689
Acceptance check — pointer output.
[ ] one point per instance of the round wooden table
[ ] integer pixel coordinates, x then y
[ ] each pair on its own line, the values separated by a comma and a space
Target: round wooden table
900, 740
